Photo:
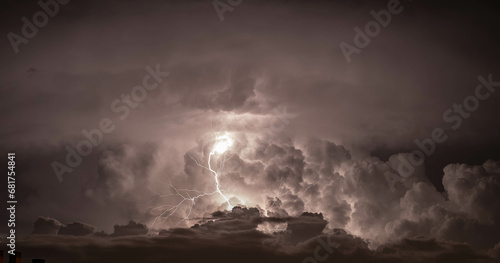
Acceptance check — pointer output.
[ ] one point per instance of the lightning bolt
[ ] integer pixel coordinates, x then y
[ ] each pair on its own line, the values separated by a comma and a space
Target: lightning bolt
221, 145
215, 173
171, 209
217, 185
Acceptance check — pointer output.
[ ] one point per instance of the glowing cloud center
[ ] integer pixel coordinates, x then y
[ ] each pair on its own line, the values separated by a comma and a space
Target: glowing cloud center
222, 144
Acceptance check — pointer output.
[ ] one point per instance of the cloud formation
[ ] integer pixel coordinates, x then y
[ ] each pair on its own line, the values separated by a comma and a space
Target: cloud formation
238, 230
76, 229
130, 229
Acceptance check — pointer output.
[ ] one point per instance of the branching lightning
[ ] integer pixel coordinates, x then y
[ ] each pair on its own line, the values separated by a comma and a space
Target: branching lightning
221, 146
171, 209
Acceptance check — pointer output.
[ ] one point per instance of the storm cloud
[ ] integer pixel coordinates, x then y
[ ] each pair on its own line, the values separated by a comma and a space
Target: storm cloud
317, 143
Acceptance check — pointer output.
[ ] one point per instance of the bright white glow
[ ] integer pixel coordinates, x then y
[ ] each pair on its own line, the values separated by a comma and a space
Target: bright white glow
222, 143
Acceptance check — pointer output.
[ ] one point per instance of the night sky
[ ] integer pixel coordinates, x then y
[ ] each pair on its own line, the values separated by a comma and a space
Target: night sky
252, 131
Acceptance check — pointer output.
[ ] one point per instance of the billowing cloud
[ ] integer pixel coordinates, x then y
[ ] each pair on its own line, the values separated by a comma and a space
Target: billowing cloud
51, 226
286, 178
76, 229
46, 226
132, 228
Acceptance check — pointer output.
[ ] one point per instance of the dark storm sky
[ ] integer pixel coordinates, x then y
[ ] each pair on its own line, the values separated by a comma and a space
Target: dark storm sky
350, 121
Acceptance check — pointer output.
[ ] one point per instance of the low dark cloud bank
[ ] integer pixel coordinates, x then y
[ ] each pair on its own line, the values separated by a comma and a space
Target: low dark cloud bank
231, 236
